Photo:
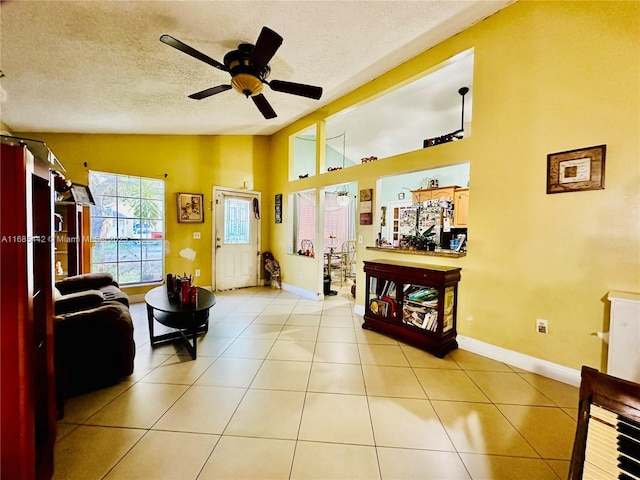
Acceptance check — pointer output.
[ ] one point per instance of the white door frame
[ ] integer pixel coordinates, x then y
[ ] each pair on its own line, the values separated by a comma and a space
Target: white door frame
241, 193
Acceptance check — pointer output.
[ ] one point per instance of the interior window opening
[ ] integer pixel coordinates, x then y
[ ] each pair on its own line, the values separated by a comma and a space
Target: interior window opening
422, 113
425, 210
303, 157
304, 222
339, 233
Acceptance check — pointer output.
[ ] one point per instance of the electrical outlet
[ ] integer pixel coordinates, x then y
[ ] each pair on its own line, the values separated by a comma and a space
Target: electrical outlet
196, 235
300, 275
197, 272
542, 326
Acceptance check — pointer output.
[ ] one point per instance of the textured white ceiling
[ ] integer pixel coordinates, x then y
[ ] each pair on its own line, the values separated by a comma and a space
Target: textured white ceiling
98, 66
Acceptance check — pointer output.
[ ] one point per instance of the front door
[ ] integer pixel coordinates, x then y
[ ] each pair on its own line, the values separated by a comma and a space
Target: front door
236, 238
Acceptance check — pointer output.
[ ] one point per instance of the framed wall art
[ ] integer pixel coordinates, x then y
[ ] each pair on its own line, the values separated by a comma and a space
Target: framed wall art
278, 208
576, 170
190, 207
366, 205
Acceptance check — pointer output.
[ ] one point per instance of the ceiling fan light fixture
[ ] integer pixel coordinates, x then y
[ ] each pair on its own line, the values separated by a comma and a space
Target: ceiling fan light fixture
249, 70
246, 84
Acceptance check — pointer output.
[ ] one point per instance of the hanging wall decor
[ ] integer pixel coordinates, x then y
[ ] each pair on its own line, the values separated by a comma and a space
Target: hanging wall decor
278, 208
190, 207
576, 170
366, 203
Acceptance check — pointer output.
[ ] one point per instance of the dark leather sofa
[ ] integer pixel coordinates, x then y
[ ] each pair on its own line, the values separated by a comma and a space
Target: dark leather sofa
94, 346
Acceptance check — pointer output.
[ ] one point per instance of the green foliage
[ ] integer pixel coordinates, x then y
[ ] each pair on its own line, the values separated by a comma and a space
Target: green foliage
422, 240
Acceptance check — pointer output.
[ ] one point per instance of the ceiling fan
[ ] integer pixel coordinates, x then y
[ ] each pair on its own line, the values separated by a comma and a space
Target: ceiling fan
249, 69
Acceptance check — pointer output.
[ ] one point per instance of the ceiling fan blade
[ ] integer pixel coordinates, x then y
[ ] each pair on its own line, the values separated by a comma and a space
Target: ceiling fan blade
209, 91
184, 48
265, 48
264, 106
301, 89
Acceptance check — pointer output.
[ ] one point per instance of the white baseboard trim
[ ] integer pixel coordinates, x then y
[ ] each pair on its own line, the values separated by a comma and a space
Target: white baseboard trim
511, 357
301, 291
521, 360
137, 298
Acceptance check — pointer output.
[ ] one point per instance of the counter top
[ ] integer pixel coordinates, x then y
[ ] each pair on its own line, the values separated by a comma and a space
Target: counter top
428, 253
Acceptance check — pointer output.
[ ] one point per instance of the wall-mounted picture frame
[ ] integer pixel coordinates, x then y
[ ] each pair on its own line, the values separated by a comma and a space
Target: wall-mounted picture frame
190, 207
366, 203
278, 208
77, 193
576, 170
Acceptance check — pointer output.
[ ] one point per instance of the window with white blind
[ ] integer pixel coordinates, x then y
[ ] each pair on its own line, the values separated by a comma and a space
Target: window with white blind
339, 220
127, 227
304, 214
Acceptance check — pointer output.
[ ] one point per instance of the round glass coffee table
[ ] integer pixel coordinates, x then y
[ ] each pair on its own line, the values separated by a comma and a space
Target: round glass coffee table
188, 320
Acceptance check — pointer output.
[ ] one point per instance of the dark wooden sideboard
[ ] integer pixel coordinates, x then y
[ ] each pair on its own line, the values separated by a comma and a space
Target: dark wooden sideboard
413, 302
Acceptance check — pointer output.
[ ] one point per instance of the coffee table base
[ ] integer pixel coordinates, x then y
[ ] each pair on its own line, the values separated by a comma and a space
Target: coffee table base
183, 323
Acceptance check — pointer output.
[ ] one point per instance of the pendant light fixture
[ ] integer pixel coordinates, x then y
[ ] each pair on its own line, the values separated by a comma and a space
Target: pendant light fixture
343, 196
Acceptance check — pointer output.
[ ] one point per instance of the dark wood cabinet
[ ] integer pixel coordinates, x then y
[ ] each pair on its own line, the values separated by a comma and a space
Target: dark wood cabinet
28, 414
414, 303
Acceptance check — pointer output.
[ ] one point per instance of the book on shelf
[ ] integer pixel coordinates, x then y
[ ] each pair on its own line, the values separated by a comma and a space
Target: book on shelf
432, 323
423, 294
429, 304
380, 307
388, 289
392, 305
420, 316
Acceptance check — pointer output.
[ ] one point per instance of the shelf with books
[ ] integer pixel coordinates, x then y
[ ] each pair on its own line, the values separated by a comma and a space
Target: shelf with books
382, 297
413, 302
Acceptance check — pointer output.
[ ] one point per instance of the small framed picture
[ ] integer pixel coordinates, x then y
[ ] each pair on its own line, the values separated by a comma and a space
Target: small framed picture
190, 207
82, 194
576, 170
278, 208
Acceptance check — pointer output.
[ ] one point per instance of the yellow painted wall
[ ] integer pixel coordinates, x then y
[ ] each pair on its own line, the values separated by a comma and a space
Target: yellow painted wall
549, 77
192, 163
5, 128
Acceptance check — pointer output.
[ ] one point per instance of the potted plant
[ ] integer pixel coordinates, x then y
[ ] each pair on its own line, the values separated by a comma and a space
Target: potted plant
424, 240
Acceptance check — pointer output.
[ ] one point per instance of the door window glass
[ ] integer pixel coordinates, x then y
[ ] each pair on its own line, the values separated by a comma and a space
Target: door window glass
236, 220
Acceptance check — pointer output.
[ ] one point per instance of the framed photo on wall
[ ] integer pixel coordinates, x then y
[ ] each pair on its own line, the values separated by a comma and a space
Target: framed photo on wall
366, 205
278, 208
190, 207
576, 170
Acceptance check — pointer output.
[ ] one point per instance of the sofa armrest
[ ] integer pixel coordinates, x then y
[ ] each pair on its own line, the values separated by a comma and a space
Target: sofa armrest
85, 281
75, 302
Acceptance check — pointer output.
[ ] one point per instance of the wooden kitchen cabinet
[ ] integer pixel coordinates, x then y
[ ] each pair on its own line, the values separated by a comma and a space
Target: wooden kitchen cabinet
444, 193
461, 208
414, 303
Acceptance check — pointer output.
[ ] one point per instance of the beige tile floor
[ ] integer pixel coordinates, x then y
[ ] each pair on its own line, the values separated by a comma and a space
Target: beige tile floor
285, 387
